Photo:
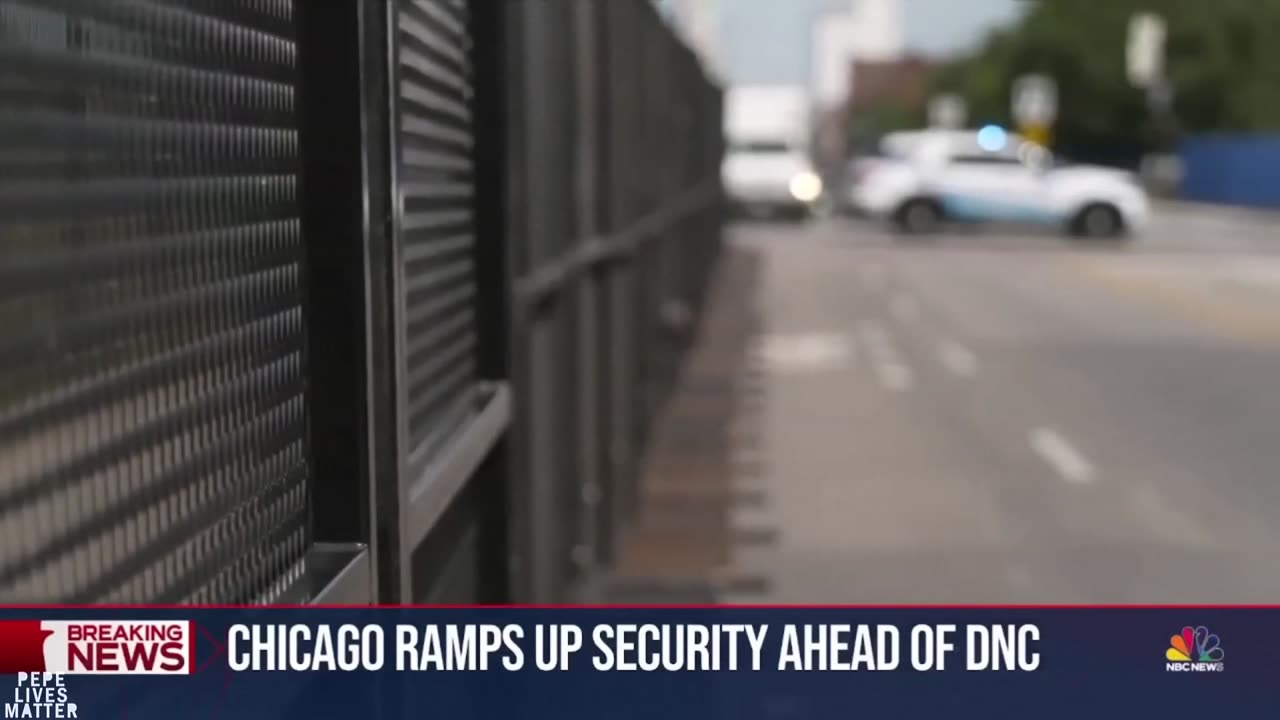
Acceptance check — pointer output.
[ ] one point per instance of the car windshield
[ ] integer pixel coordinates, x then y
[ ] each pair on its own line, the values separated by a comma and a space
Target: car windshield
897, 145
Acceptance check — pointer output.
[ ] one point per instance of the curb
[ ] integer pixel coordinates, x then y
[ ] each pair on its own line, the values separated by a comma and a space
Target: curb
1240, 212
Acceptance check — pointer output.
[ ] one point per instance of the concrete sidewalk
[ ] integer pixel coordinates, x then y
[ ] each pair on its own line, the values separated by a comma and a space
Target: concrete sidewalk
681, 546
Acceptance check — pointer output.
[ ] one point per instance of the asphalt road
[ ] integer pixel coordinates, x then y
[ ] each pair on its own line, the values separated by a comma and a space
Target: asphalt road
1012, 418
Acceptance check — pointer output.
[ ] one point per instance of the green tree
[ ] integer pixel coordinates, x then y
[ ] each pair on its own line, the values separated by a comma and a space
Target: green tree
1222, 59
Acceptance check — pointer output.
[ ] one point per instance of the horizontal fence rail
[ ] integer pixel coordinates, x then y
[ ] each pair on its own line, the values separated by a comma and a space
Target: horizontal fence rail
368, 301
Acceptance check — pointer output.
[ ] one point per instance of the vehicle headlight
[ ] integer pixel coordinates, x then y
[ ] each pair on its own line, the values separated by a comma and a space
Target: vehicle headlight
806, 187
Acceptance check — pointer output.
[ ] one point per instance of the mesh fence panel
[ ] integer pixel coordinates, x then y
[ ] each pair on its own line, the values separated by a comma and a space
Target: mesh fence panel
436, 178
152, 392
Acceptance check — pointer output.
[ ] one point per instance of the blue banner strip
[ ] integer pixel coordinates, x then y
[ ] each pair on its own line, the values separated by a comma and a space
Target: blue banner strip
672, 663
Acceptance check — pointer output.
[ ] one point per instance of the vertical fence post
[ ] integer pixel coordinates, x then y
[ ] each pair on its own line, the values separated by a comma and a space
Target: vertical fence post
525, 554
563, 307
399, 586
589, 370
623, 174
545, 223
493, 118
343, 90
600, 171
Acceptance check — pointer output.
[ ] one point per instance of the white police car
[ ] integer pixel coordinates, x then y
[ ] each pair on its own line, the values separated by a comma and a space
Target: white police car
990, 175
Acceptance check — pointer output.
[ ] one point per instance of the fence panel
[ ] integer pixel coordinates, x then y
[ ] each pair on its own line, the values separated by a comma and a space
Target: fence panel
1232, 169
278, 278
450, 423
436, 236
153, 403
616, 186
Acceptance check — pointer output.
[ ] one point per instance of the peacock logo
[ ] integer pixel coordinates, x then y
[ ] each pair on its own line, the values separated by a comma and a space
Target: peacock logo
1195, 649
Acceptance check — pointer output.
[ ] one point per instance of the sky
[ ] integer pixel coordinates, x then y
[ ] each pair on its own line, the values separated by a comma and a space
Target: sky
767, 41
945, 26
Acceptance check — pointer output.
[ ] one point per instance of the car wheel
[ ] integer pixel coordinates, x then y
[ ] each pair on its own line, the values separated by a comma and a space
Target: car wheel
1099, 221
919, 217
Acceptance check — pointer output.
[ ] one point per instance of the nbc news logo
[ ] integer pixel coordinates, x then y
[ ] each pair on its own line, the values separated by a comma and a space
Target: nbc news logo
1194, 650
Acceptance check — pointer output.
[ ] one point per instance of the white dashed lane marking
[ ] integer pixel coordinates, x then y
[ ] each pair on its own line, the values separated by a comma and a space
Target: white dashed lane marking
1056, 450
958, 359
889, 369
805, 352
895, 376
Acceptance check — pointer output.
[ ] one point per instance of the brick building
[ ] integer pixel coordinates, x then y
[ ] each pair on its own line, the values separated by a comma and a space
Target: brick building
902, 83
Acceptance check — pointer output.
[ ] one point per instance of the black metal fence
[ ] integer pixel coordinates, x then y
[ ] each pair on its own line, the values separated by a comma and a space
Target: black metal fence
351, 301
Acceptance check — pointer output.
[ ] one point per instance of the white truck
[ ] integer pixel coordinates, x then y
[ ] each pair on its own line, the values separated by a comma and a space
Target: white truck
768, 168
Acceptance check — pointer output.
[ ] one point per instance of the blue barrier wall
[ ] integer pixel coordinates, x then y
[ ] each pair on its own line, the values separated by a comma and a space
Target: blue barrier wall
1232, 169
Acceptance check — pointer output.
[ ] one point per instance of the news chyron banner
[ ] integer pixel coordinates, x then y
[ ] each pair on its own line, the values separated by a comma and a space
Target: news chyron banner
667, 663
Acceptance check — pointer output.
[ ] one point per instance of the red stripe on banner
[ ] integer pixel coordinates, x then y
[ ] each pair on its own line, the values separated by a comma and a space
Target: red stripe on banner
191, 649
872, 606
